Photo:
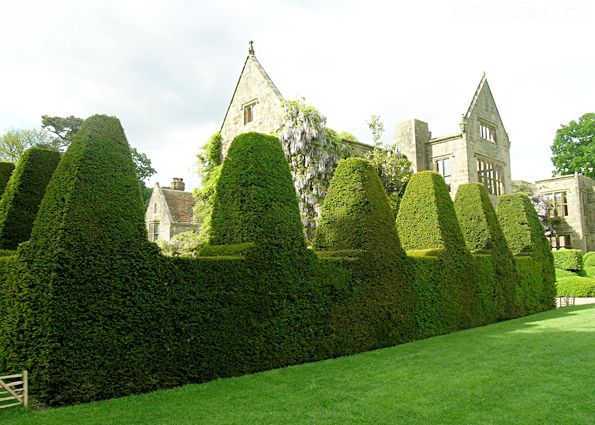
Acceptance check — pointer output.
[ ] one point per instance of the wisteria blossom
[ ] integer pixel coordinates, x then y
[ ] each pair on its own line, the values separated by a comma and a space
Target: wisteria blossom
313, 152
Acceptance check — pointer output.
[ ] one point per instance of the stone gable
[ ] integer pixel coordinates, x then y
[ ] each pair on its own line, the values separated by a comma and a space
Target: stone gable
480, 152
257, 92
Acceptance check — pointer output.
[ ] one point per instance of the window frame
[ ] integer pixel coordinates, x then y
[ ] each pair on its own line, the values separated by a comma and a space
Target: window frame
442, 161
249, 111
491, 175
153, 231
487, 131
554, 206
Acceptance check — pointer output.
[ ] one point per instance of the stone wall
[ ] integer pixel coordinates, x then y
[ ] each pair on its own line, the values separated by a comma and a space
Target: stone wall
462, 149
580, 195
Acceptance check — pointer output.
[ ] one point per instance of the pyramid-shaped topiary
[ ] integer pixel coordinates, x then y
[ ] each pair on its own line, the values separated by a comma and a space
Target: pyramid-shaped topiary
526, 237
23, 194
90, 283
356, 215
6, 169
483, 235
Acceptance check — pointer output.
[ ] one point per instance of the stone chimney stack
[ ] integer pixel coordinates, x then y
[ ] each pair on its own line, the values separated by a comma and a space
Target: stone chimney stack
411, 137
178, 184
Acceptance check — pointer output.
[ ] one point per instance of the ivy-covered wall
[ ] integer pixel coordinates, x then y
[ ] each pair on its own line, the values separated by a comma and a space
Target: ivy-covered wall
90, 302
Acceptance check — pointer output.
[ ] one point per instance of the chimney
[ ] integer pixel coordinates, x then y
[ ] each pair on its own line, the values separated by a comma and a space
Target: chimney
178, 184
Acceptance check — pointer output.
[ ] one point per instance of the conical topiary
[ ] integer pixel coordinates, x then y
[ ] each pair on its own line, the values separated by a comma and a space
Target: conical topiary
23, 194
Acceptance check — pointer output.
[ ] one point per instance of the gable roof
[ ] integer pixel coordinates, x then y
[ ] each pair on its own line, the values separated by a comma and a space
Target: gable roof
180, 205
252, 59
483, 85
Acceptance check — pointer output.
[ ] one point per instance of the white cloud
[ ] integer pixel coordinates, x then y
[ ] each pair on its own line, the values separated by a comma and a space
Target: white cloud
167, 69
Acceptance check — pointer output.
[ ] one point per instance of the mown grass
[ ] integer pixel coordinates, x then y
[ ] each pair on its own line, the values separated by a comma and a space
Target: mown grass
534, 370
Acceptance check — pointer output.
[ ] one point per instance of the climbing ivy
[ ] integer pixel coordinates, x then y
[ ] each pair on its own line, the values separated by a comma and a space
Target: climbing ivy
313, 152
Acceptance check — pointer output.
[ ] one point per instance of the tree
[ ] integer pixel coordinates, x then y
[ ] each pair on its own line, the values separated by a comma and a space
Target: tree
573, 150
64, 128
144, 170
377, 128
14, 142
209, 168
393, 168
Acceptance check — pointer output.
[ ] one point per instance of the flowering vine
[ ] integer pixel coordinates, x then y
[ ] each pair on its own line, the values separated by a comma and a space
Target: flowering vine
313, 152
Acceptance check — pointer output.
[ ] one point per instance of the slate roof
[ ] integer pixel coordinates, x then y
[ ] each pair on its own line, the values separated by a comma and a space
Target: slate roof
180, 204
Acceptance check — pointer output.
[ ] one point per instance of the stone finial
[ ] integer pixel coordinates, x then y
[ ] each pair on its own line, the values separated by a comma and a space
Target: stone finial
251, 48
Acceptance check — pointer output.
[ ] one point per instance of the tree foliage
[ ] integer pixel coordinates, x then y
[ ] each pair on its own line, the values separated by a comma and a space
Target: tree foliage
573, 150
142, 163
393, 168
14, 142
64, 130
209, 169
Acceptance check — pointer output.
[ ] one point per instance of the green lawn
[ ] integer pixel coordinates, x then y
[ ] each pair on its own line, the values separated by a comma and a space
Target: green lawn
535, 370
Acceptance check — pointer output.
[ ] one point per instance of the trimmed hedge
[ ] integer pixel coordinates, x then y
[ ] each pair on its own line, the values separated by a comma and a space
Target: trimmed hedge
256, 202
560, 273
589, 271
6, 170
255, 199
483, 234
90, 281
589, 259
90, 302
568, 259
23, 194
356, 217
427, 221
525, 237
578, 286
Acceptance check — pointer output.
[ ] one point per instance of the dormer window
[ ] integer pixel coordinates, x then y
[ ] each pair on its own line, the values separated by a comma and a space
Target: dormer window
487, 132
249, 112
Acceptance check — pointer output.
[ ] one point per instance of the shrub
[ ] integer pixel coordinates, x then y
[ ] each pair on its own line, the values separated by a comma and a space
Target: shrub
578, 286
560, 273
23, 194
589, 271
525, 237
255, 199
589, 259
568, 259
6, 169
93, 311
286, 300
427, 221
357, 217
483, 234
90, 283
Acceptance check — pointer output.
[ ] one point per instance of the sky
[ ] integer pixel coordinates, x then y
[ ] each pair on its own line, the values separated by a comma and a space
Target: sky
167, 69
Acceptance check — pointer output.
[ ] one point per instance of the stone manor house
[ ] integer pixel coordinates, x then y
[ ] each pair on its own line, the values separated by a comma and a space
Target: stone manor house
478, 152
